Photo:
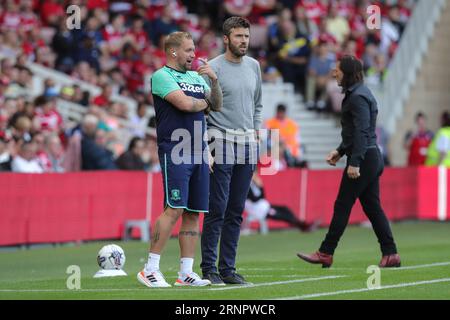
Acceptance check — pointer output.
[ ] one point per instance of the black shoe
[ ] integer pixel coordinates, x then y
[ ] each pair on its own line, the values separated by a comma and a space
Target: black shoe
235, 278
215, 279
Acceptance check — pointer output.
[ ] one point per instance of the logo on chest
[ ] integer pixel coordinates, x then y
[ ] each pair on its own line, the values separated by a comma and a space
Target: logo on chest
194, 88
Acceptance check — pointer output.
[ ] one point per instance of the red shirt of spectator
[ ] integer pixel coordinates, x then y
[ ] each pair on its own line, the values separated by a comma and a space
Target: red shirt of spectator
314, 9
10, 20
48, 118
51, 10
104, 98
29, 21
140, 70
418, 148
94, 4
113, 34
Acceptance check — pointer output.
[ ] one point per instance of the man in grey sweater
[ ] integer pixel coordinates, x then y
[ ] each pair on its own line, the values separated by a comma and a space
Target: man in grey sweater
233, 133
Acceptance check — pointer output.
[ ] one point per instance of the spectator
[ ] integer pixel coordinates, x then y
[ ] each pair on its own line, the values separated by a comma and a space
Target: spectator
289, 135
315, 9
293, 54
21, 129
39, 140
64, 44
28, 18
376, 74
132, 158
417, 141
150, 154
274, 31
259, 208
54, 154
67, 93
320, 70
4, 83
51, 11
5, 156
439, 149
139, 121
104, 98
163, 25
138, 35
391, 30
93, 156
241, 8
23, 86
305, 25
47, 117
80, 96
269, 72
262, 9
4, 131
26, 161
337, 25
50, 88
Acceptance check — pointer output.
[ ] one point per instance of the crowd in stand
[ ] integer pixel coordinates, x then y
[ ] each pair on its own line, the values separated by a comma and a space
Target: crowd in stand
119, 45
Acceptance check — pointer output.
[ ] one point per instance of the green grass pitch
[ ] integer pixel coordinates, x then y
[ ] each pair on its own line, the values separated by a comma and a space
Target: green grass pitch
268, 261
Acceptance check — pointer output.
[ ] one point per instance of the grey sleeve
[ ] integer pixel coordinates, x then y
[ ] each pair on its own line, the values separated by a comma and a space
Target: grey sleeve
257, 117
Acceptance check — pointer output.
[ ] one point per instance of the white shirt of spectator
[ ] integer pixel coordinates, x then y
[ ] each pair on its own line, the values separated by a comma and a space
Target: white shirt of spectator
4, 157
389, 34
22, 165
138, 125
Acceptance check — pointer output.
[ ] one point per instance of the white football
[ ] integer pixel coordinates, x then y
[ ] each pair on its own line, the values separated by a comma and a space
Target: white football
111, 257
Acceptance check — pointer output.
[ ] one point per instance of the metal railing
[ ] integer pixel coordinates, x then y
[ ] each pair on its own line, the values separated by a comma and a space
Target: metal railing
407, 60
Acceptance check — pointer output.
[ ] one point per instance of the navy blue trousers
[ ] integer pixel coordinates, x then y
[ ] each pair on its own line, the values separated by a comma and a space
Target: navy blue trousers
229, 185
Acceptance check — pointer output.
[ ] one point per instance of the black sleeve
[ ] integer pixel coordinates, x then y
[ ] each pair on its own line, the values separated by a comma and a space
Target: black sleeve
341, 149
360, 110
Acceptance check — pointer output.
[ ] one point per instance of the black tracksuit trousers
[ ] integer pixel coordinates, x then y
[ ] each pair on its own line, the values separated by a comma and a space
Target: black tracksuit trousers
367, 189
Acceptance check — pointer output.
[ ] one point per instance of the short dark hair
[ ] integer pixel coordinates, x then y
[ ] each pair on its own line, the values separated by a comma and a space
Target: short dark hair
420, 114
445, 119
353, 71
281, 108
234, 22
133, 142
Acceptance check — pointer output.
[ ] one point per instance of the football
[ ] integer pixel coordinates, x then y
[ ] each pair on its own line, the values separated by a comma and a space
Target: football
111, 257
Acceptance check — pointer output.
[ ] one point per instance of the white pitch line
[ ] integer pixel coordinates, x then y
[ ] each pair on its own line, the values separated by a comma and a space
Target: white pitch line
333, 293
262, 284
269, 269
266, 284
419, 266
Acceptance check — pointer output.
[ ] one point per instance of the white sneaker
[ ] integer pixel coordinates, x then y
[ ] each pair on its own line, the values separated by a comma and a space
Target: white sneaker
191, 279
153, 279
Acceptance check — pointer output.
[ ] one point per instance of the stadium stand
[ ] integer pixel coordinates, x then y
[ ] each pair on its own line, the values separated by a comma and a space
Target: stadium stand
119, 45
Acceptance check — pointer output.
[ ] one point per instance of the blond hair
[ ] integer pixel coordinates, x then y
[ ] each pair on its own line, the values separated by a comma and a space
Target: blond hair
174, 40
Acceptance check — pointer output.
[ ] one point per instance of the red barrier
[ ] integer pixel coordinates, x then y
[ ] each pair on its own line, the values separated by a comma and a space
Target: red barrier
69, 207
94, 205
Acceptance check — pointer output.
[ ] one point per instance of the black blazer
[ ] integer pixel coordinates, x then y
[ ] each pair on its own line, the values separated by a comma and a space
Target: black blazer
358, 119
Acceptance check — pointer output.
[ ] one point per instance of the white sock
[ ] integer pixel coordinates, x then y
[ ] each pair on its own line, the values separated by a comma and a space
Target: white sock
186, 265
153, 262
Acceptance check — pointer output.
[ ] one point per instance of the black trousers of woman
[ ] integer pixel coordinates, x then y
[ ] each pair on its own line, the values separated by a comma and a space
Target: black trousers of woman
367, 189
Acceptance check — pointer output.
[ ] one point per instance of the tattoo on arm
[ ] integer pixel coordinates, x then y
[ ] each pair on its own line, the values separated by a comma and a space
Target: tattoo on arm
215, 96
198, 105
188, 233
